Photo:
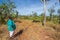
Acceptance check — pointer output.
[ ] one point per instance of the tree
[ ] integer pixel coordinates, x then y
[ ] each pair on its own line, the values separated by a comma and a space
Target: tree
16, 14
0, 14
2, 7
7, 9
45, 1
58, 15
41, 17
51, 11
34, 14
11, 6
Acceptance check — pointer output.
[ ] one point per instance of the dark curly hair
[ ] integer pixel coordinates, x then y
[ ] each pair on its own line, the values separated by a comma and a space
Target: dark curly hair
10, 17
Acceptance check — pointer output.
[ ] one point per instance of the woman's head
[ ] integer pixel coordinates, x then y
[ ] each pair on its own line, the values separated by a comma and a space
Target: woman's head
10, 17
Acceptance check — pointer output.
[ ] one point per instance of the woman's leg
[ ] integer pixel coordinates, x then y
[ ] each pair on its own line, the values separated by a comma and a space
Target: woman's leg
11, 33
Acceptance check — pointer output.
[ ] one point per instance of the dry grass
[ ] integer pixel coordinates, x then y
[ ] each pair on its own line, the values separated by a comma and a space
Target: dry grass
33, 31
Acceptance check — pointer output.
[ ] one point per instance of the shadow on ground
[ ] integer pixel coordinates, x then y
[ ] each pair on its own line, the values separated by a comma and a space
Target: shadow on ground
18, 33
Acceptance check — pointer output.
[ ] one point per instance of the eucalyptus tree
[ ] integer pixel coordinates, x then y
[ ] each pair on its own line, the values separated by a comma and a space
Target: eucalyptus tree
51, 11
34, 14
45, 2
16, 14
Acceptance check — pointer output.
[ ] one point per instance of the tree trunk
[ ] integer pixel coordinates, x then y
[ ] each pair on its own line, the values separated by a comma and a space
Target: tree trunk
51, 16
17, 15
44, 22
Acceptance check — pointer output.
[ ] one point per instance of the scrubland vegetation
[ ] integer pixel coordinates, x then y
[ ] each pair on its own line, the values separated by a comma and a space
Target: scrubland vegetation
32, 25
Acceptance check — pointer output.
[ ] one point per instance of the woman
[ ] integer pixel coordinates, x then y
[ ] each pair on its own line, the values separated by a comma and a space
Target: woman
11, 26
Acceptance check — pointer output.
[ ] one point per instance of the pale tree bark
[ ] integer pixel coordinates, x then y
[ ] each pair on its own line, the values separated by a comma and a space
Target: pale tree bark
44, 21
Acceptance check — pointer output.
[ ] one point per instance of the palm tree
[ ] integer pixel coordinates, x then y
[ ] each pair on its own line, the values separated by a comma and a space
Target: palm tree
44, 1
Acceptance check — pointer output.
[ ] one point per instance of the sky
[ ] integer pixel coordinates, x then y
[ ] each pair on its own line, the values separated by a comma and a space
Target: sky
26, 7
